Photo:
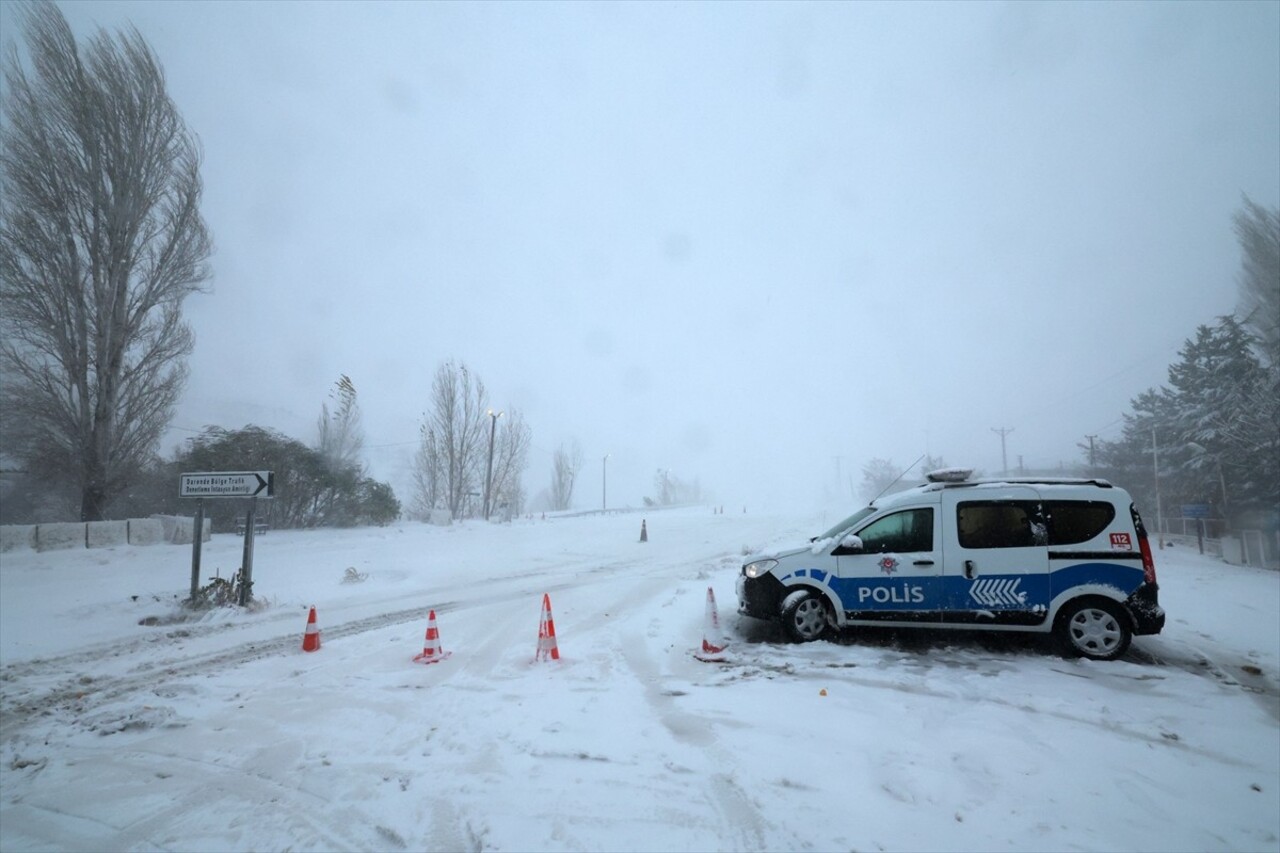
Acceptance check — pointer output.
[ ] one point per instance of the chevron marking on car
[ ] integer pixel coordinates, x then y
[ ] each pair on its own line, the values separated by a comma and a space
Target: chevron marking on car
997, 592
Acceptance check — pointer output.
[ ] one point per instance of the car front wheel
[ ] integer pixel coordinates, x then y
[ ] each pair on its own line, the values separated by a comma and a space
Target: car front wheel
804, 615
1094, 629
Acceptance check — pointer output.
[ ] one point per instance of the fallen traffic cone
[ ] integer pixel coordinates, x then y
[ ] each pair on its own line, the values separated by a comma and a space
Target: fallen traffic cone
547, 633
713, 641
311, 638
644, 533
432, 652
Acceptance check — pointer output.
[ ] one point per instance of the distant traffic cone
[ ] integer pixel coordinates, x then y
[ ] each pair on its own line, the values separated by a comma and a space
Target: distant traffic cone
644, 532
547, 633
311, 638
432, 652
713, 641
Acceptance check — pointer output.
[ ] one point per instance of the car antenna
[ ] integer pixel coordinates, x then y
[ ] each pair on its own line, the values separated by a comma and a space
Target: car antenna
899, 477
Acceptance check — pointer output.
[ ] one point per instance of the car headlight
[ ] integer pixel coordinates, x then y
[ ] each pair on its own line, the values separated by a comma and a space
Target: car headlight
756, 568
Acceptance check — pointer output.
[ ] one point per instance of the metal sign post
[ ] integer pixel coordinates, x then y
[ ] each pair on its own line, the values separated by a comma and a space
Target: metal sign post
246, 563
196, 541
226, 484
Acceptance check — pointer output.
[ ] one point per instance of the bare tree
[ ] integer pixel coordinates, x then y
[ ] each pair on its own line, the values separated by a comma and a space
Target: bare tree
510, 458
929, 463
101, 240
672, 490
340, 434
877, 476
565, 465
453, 441
428, 474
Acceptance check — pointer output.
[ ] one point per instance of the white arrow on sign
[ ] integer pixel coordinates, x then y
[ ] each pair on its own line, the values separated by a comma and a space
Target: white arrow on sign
228, 484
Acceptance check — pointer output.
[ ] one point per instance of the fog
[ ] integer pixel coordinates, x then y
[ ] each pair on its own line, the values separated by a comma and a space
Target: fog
752, 244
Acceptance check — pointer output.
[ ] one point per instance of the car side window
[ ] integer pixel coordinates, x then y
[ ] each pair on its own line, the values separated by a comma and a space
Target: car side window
906, 532
1000, 524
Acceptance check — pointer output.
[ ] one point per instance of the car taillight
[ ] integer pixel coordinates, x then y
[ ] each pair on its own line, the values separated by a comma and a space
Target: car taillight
1144, 546
1148, 564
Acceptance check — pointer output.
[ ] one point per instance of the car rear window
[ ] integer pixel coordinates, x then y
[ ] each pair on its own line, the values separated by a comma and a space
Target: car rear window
1021, 524
1072, 522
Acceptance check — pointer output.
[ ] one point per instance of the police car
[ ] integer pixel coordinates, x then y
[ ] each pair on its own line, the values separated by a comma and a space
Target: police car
1067, 556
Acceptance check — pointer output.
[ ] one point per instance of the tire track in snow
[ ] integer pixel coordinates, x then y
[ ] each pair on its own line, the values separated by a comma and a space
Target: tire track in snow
1239, 672
310, 820
755, 664
739, 818
26, 697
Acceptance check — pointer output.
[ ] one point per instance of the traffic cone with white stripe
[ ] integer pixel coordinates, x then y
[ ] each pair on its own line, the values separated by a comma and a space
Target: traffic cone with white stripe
432, 651
547, 647
311, 638
713, 640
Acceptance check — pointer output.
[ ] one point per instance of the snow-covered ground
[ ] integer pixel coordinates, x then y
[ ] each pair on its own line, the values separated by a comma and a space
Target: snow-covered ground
221, 734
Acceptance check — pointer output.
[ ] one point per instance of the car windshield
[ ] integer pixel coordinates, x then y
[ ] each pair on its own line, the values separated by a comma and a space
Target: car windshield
848, 522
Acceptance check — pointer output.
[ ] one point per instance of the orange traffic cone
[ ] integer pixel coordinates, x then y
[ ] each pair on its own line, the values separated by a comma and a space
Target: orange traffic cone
644, 532
432, 652
713, 641
547, 633
311, 639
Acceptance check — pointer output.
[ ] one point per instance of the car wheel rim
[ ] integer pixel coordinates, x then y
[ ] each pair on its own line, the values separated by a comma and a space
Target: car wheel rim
1095, 631
810, 618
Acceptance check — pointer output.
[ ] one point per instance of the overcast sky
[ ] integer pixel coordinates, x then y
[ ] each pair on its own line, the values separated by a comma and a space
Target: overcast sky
750, 243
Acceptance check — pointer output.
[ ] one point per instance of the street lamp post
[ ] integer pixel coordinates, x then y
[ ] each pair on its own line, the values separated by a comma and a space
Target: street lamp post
488, 476
604, 483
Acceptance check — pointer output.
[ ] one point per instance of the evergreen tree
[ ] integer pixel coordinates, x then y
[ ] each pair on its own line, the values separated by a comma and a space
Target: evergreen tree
1217, 379
1258, 230
1129, 462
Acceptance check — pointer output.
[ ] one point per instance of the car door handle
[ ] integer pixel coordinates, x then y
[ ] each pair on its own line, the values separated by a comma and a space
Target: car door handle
923, 563
969, 569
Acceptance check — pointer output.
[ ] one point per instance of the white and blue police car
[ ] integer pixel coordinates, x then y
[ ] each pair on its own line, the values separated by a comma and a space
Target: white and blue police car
1066, 556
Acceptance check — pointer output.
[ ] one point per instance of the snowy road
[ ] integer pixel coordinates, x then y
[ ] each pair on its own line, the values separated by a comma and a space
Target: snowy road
222, 734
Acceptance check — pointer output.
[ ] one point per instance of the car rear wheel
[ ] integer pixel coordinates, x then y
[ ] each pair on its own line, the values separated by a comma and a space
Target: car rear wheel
1094, 629
804, 615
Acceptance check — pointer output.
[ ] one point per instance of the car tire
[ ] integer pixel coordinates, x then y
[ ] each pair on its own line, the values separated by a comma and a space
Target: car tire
1093, 628
804, 616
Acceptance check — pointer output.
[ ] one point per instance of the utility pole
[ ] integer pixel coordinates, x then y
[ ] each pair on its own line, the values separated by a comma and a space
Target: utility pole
1092, 463
1155, 461
1004, 458
604, 483
488, 475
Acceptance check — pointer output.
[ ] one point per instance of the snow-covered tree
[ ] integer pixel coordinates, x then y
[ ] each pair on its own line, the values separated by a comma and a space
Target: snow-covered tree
1213, 445
1218, 388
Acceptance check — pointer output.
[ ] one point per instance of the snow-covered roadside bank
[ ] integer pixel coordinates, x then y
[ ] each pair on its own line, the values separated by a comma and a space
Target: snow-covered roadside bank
222, 734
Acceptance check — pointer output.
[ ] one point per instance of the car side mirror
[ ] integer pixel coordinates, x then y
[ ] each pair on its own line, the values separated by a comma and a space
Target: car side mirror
850, 543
